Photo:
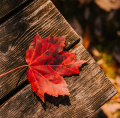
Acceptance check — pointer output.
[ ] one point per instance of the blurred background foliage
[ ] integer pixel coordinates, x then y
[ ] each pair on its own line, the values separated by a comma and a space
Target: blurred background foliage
98, 23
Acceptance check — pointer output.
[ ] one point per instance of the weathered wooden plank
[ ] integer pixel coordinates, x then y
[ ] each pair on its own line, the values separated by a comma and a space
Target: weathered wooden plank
7, 6
16, 34
88, 91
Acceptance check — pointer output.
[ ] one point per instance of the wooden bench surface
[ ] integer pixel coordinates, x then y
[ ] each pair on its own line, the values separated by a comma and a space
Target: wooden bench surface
6, 6
88, 91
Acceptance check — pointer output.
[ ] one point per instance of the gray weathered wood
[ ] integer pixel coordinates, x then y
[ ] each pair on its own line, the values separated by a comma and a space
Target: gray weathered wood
7, 6
16, 34
88, 91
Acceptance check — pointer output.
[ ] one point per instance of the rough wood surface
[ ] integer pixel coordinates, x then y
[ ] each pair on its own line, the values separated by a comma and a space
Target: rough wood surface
7, 6
88, 92
16, 34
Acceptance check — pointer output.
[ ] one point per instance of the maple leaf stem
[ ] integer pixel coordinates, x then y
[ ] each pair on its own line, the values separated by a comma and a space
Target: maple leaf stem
13, 70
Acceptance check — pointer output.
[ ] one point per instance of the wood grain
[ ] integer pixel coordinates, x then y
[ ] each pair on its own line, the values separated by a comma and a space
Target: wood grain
6, 6
16, 34
88, 91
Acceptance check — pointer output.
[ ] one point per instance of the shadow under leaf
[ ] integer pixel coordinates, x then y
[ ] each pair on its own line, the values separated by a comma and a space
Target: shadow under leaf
64, 100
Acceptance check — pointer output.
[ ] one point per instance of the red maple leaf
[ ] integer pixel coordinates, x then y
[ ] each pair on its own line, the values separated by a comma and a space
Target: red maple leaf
48, 63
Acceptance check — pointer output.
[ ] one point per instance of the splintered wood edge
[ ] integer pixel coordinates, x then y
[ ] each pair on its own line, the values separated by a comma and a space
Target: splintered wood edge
88, 92
17, 33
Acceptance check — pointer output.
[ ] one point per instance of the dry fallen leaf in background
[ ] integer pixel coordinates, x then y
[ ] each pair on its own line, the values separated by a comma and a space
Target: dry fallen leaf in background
87, 38
108, 5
